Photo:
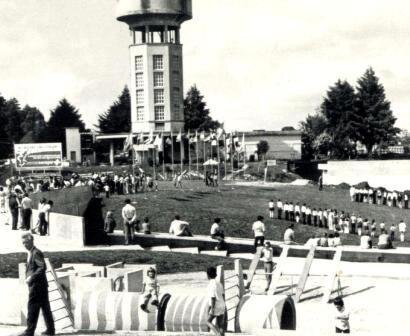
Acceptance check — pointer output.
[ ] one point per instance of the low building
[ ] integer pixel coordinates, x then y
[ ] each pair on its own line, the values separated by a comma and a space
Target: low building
283, 145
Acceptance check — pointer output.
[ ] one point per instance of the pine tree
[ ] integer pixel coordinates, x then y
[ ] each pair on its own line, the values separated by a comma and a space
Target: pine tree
196, 114
5, 143
12, 112
118, 117
311, 128
33, 124
376, 118
338, 108
63, 116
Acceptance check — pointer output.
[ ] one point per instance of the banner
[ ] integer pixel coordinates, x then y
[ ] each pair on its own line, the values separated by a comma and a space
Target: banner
42, 156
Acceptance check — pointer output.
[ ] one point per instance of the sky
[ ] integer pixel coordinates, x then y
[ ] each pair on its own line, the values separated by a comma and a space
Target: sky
260, 64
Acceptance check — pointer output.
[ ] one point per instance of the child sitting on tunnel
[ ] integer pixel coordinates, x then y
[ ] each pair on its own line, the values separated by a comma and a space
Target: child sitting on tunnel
150, 289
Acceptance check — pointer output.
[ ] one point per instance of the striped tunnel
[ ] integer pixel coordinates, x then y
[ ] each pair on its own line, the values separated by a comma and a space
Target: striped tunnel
186, 313
101, 311
274, 312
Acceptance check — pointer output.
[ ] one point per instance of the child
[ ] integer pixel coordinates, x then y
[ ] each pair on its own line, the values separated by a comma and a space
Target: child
271, 208
150, 289
217, 307
373, 228
146, 226
109, 223
107, 190
402, 230
341, 317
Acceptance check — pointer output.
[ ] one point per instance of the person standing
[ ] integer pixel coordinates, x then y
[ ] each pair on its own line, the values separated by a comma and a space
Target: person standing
258, 229
217, 307
271, 206
26, 208
129, 216
14, 210
38, 289
279, 205
402, 230
267, 258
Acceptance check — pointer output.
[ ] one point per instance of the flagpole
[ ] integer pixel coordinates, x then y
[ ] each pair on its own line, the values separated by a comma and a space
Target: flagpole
172, 154
204, 157
224, 155
132, 154
244, 154
163, 155
154, 159
219, 162
189, 155
196, 150
181, 148
231, 146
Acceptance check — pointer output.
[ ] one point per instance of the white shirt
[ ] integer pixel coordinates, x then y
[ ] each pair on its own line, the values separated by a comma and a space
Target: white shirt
271, 205
177, 227
215, 290
267, 254
297, 208
279, 204
289, 236
215, 228
364, 242
258, 229
129, 213
26, 203
402, 227
342, 319
303, 208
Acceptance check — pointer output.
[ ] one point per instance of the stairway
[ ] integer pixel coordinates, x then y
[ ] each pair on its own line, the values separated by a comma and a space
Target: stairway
62, 316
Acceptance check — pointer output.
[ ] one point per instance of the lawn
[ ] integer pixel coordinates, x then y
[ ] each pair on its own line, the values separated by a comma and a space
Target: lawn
166, 262
239, 206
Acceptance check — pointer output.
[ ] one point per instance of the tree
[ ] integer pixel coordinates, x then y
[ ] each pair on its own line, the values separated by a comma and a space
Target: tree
311, 128
196, 114
5, 145
12, 113
262, 148
117, 119
63, 116
376, 118
338, 108
288, 129
33, 124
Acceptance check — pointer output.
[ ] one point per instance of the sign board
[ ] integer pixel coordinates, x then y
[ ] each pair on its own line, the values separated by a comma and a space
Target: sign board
271, 163
38, 156
322, 166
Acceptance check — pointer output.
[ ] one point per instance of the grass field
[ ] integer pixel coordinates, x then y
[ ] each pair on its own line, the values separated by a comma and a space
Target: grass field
166, 262
239, 206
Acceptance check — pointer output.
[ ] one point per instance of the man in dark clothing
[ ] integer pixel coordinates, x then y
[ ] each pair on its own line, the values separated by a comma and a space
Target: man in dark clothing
38, 289
14, 210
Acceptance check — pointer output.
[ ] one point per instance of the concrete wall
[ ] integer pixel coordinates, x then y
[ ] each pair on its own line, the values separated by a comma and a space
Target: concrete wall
391, 174
65, 227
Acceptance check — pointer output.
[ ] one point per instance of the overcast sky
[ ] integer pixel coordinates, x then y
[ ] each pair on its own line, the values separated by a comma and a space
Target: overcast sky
261, 64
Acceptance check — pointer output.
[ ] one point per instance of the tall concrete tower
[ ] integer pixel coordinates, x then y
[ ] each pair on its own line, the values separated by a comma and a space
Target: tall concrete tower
156, 62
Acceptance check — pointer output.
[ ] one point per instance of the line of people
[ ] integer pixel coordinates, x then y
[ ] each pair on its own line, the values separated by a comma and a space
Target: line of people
333, 219
379, 196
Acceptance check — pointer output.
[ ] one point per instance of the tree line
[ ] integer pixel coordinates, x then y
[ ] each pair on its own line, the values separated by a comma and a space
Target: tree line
28, 125
347, 117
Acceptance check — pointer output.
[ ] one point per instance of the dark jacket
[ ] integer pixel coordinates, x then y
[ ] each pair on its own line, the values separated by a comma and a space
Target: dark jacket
36, 270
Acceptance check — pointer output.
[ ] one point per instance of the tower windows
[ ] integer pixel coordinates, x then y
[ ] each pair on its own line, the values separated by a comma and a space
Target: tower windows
175, 62
159, 113
139, 80
140, 113
158, 79
138, 63
140, 97
176, 79
158, 62
159, 96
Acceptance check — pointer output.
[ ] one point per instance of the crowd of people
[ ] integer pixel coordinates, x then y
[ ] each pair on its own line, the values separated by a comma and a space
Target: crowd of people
379, 196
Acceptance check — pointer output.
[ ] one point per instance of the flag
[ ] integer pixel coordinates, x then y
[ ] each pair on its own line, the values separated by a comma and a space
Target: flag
179, 137
158, 142
150, 139
168, 141
127, 143
196, 137
219, 133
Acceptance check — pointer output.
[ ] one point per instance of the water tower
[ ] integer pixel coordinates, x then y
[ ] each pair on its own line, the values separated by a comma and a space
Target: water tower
156, 62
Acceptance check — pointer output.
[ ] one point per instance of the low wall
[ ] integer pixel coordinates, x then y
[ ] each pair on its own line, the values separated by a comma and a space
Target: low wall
67, 227
391, 174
